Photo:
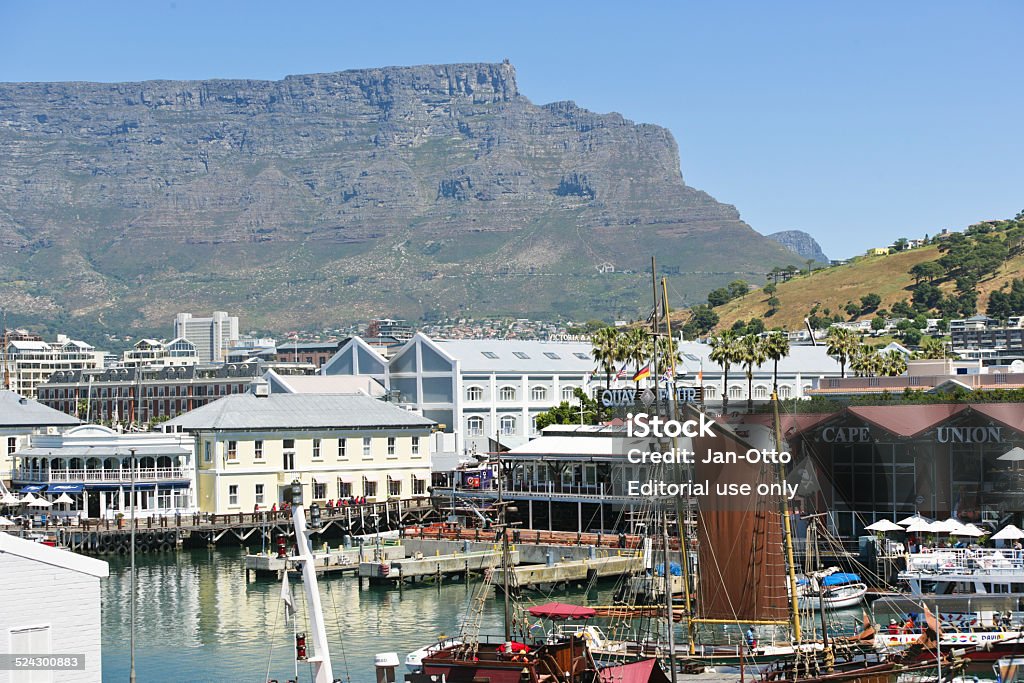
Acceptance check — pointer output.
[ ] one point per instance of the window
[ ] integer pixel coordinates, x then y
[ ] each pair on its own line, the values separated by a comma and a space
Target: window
507, 394
474, 394
508, 425
533, 425
319, 491
569, 394
394, 487
581, 356
489, 354
366, 447
735, 392
369, 488
552, 355
760, 391
342, 446
710, 392
258, 449
521, 355
288, 461
316, 449
419, 486
344, 489
207, 452
12, 444
232, 450
415, 445
475, 426
391, 446
538, 394
289, 443
259, 494
233, 495
785, 391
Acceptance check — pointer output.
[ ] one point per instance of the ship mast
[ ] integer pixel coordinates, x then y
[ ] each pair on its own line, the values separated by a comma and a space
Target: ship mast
787, 528
321, 660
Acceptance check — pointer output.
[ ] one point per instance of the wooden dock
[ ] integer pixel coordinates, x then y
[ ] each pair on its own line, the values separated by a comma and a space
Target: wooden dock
568, 572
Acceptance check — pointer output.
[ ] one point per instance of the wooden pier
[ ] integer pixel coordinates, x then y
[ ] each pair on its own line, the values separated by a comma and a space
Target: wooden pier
437, 567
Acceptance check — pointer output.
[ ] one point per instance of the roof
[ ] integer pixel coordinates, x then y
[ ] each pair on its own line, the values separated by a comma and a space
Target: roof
326, 384
56, 557
805, 360
297, 411
16, 411
507, 355
909, 420
30, 345
570, 445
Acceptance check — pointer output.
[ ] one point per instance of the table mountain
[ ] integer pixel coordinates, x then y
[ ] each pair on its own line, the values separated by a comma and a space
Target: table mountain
408, 191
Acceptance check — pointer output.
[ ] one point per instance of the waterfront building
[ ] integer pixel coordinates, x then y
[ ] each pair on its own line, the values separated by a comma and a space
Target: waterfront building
30, 362
486, 392
51, 607
314, 353
212, 336
251, 447
142, 394
93, 465
156, 353
21, 419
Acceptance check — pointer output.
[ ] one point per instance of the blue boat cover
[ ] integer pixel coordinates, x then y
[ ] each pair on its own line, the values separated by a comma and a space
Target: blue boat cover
840, 579
674, 567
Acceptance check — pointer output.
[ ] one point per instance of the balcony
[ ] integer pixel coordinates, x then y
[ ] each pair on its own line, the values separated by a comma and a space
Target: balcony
143, 474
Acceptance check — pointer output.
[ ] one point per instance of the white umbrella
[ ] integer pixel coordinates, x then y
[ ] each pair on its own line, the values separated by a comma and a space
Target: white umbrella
1015, 454
956, 527
884, 525
6, 522
920, 527
971, 530
1008, 533
65, 499
10, 499
908, 521
40, 503
28, 498
941, 527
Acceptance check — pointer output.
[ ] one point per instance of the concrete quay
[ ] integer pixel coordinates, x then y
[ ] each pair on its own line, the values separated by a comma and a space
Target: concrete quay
571, 571
420, 567
328, 561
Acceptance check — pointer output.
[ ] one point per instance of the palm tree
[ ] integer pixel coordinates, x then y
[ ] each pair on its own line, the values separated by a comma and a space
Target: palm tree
606, 351
841, 342
635, 346
752, 354
776, 347
892, 363
664, 361
864, 361
725, 350
932, 348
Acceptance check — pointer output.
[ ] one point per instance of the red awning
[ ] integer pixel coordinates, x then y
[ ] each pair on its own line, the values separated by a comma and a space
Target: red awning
561, 610
907, 421
1009, 414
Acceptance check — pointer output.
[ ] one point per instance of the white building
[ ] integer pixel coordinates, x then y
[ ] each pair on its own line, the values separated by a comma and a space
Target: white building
93, 465
21, 419
484, 391
251, 447
212, 336
31, 362
156, 353
51, 607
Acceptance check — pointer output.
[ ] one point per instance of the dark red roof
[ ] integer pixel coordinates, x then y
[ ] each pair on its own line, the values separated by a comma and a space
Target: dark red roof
908, 420
1009, 414
561, 610
643, 671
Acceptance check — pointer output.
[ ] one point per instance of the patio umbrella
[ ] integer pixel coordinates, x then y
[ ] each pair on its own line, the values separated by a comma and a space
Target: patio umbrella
40, 503
956, 527
908, 521
971, 530
28, 498
937, 527
6, 522
920, 527
884, 525
1008, 533
10, 499
65, 499
1015, 454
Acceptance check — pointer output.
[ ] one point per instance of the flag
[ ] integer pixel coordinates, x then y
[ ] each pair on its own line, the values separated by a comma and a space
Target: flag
286, 596
622, 372
656, 313
642, 373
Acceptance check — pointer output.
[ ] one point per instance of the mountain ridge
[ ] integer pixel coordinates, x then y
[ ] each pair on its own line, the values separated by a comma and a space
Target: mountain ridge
414, 191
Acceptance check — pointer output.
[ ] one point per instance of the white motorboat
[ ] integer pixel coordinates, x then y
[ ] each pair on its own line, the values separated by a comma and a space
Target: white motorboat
831, 589
414, 660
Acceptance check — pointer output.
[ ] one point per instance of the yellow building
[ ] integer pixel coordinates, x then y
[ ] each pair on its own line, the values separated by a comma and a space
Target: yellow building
878, 251
250, 447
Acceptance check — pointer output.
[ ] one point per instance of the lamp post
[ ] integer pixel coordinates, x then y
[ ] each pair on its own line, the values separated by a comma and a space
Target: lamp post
131, 645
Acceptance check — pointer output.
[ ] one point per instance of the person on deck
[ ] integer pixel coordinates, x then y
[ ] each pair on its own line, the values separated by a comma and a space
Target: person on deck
751, 638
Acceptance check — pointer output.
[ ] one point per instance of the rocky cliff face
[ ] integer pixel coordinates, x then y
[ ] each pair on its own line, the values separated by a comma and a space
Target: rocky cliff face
800, 242
410, 191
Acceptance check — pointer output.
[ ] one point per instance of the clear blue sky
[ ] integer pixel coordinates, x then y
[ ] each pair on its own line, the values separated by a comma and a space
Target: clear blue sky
858, 122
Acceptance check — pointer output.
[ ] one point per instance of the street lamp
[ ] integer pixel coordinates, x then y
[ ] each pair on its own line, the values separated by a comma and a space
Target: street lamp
131, 674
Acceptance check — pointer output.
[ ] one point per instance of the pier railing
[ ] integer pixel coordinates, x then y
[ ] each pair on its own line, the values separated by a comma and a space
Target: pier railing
122, 475
962, 561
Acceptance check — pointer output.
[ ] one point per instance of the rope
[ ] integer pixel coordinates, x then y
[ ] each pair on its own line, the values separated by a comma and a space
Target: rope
273, 634
337, 624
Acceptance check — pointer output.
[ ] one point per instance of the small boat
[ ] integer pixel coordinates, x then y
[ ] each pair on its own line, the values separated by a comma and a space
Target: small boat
831, 589
414, 660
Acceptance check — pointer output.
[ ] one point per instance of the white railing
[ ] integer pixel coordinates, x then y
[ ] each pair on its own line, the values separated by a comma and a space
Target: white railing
141, 474
976, 561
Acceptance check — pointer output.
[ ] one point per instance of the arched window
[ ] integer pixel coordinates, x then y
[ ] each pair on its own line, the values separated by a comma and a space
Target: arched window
508, 425
807, 388
760, 391
568, 395
710, 391
539, 394
735, 392
475, 426
507, 394
475, 394
785, 391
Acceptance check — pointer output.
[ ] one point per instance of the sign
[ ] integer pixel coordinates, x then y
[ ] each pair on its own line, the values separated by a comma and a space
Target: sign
619, 398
